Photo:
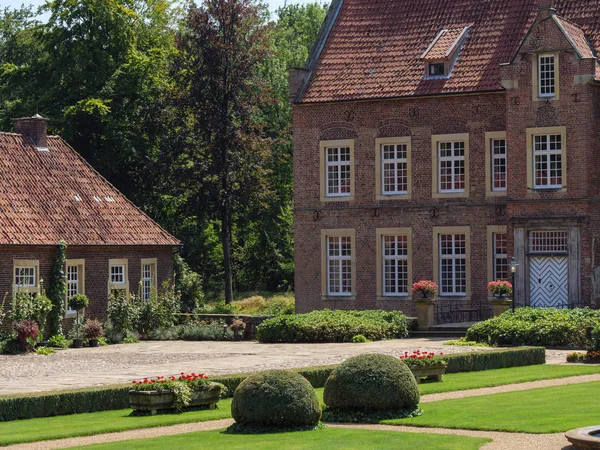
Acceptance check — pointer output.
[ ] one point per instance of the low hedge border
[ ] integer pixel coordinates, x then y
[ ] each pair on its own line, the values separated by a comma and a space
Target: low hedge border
106, 398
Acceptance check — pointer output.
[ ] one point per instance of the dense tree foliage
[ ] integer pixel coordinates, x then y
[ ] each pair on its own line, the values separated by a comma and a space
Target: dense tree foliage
123, 82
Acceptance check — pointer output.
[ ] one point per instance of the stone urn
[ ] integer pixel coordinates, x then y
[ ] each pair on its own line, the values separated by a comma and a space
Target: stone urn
425, 317
500, 304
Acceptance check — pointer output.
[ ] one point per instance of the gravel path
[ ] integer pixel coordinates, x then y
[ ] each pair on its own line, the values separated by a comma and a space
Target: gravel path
75, 368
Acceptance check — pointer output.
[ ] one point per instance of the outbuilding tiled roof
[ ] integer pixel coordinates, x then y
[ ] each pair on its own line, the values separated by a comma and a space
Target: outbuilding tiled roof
374, 47
445, 44
46, 196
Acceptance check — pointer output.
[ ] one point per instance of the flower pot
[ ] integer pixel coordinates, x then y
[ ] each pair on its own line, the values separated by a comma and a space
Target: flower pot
77, 343
238, 337
500, 305
435, 371
93, 342
152, 401
425, 316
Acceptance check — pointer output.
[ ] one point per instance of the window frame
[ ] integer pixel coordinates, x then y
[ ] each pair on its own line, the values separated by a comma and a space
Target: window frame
118, 286
531, 180
152, 262
540, 57
26, 264
436, 140
337, 233
490, 137
80, 264
492, 231
536, 79
380, 172
324, 176
437, 259
381, 233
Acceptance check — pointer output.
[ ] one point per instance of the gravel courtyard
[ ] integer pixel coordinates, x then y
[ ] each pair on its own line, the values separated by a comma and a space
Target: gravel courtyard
73, 368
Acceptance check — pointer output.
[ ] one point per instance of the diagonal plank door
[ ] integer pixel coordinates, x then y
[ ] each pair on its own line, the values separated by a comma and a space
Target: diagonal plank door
548, 277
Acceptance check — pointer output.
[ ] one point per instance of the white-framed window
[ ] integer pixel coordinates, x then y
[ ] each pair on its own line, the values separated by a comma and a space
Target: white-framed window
394, 169
25, 277
117, 274
546, 75
339, 265
75, 282
500, 256
451, 167
547, 161
498, 149
453, 264
148, 277
338, 171
548, 242
436, 69
395, 265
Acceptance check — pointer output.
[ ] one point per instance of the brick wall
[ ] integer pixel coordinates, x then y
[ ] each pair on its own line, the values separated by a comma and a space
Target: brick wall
512, 111
96, 268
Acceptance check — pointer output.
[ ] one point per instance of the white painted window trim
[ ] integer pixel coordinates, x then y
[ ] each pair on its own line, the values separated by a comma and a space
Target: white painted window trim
152, 264
494, 158
396, 257
338, 165
20, 272
395, 161
546, 155
497, 255
540, 74
454, 160
337, 241
80, 265
454, 257
114, 275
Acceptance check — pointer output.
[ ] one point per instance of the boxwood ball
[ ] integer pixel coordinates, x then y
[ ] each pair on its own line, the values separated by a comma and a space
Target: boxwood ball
371, 383
277, 398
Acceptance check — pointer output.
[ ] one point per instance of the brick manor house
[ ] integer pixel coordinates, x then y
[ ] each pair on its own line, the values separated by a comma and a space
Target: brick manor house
49, 193
437, 139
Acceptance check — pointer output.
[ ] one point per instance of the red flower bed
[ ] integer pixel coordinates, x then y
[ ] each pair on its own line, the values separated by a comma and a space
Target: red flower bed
419, 358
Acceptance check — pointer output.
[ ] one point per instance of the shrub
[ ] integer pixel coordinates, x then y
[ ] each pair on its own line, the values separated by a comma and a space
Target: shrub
359, 339
45, 351
165, 334
276, 398
93, 329
159, 311
188, 284
27, 333
59, 341
122, 315
495, 359
78, 302
29, 307
215, 331
371, 382
334, 326
536, 326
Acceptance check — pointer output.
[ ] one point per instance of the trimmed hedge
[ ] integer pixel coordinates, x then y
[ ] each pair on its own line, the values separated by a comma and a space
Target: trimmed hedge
548, 327
16, 407
334, 326
277, 398
371, 382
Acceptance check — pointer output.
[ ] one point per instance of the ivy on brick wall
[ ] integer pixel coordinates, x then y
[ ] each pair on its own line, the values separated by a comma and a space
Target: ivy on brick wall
57, 290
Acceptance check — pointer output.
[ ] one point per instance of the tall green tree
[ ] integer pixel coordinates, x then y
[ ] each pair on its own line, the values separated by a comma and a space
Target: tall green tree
223, 158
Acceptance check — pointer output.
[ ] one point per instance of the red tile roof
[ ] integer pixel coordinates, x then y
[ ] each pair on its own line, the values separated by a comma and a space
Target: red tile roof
577, 37
374, 47
54, 195
445, 44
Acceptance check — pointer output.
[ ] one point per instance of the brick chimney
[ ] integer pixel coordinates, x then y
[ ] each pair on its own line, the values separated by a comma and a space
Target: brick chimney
35, 128
297, 78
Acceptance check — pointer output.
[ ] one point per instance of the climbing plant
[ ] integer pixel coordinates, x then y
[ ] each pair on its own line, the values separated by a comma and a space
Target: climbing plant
57, 290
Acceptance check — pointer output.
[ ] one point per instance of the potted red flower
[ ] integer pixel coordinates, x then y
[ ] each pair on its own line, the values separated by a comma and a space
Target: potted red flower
426, 288
500, 289
425, 364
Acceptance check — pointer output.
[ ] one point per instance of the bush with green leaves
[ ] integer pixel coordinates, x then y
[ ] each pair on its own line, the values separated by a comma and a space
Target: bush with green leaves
215, 331
159, 311
547, 327
277, 398
28, 306
59, 341
122, 315
371, 382
188, 284
334, 326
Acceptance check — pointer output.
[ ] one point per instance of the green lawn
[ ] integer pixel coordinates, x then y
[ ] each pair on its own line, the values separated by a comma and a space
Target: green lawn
110, 421
546, 410
330, 438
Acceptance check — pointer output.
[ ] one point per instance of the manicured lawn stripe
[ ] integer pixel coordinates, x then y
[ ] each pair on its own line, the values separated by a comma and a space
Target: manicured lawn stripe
498, 377
46, 428
545, 410
111, 421
330, 439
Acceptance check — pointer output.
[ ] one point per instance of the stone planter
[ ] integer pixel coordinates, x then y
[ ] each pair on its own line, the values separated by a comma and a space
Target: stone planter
425, 313
500, 305
150, 402
434, 371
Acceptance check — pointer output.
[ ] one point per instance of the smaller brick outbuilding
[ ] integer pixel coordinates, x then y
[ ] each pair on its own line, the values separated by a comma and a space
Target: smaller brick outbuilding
48, 194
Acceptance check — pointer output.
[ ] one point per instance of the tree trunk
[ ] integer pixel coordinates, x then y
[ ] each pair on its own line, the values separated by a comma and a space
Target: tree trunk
225, 239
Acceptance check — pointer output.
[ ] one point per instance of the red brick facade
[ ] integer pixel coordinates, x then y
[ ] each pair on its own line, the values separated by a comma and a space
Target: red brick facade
96, 268
513, 109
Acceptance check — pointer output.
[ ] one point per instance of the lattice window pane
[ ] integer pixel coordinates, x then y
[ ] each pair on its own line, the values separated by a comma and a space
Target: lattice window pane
500, 256
117, 274
339, 265
338, 171
546, 75
395, 168
498, 164
395, 264
548, 242
453, 263
451, 166
548, 161
25, 276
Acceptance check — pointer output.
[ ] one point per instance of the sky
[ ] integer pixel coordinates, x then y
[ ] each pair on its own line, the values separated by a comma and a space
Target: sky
273, 4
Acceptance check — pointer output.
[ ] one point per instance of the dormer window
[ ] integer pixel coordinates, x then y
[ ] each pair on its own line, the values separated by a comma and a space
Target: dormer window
546, 71
443, 52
